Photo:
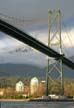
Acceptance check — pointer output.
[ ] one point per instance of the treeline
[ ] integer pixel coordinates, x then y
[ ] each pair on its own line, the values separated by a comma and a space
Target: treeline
11, 81
68, 85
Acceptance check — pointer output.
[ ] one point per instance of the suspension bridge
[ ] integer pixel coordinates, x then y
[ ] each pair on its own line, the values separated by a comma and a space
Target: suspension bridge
18, 34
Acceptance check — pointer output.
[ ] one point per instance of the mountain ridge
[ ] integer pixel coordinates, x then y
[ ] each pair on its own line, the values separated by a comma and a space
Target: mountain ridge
26, 70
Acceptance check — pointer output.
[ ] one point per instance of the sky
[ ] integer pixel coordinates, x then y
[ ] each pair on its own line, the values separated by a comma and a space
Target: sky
35, 16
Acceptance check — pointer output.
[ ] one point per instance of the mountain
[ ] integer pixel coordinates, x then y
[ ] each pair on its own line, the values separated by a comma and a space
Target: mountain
21, 70
30, 70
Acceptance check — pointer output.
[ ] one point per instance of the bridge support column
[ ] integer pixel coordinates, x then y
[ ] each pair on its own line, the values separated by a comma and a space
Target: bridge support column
55, 42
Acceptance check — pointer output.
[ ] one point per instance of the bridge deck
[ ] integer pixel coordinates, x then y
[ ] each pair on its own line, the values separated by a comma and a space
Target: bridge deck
27, 39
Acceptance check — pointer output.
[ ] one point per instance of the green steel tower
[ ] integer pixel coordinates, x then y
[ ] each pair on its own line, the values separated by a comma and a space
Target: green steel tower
55, 42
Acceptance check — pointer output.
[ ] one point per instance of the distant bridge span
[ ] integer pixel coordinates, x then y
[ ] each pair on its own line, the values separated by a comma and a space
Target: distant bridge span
27, 39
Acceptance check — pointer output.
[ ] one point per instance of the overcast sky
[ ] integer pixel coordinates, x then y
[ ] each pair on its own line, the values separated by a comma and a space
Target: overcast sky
35, 14
36, 9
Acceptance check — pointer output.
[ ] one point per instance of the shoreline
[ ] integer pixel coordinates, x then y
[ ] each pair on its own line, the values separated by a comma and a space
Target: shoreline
36, 100
14, 100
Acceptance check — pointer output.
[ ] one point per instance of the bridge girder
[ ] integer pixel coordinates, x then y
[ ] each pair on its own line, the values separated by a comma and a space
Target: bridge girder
27, 39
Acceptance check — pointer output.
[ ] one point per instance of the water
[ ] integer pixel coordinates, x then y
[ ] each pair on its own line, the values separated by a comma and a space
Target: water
23, 104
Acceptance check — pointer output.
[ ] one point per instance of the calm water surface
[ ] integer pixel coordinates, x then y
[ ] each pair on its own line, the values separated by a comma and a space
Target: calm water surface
37, 104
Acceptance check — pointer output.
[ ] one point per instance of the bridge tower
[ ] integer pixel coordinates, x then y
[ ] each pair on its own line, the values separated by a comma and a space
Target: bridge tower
54, 40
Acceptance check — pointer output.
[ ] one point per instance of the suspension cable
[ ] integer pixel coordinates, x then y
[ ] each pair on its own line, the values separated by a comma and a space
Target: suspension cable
69, 40
13, 18
68, 36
